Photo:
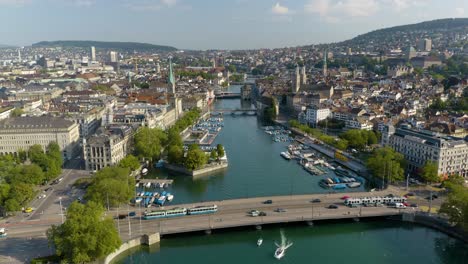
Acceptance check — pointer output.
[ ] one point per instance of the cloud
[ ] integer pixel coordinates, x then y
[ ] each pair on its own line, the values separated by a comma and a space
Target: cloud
279, 9
83, 3
333, 10
459, 12
149, 5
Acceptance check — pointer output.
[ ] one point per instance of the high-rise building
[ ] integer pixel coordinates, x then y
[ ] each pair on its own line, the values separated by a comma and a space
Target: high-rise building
425, 45
113, 56
93, 53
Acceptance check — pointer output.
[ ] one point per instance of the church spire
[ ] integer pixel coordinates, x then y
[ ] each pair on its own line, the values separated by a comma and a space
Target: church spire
171, 79
325, 55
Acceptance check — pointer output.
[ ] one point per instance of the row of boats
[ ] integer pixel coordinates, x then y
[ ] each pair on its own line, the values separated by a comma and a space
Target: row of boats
152, 185
147, 199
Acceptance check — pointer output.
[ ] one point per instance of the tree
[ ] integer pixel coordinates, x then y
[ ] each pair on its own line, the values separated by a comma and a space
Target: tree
21, 193
111, 186
16, 112
175, 154
386, 163
213, 155
174, 138
456, 205
220, 151
149, 141
232, 68
430, 172
30, 174
130, 162
86, 235
195, 158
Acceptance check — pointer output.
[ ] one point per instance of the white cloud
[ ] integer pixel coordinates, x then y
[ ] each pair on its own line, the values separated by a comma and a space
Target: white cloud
169, 2
459, 12
333, 10
150, 5
83, 3
279, 9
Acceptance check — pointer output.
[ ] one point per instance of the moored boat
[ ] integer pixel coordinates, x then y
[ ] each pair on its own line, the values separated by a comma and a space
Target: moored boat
3, 232
259, 242
285, 155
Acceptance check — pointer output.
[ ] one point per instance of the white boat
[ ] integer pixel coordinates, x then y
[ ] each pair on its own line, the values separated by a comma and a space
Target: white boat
259, 242
285, 155
148, 185
3, 232
144, 171
281, 249
354, 184
169, 197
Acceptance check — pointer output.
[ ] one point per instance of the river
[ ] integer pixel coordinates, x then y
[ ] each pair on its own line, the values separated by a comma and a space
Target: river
255, 165
257, 169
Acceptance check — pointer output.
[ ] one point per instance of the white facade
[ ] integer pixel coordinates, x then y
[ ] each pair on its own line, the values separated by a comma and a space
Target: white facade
18, 134
314, 115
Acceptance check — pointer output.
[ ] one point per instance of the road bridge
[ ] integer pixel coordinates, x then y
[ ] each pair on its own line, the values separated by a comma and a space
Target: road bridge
227, 95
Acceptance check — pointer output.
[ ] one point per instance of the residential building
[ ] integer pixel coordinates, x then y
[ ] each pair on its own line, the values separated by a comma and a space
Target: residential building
313, 115
20, 133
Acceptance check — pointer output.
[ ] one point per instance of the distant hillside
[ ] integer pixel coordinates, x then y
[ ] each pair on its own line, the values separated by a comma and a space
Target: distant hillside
5, 46
127, 46
407, 33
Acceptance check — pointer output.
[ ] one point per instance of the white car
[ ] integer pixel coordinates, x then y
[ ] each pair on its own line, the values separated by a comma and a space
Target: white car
42, 196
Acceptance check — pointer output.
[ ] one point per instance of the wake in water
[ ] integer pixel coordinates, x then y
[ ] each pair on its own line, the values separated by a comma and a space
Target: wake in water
281, 248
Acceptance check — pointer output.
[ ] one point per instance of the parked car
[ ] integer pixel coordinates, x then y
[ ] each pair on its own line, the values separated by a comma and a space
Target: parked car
316, 201
268, 202
262, 214
414, 205
410, 194
332, 206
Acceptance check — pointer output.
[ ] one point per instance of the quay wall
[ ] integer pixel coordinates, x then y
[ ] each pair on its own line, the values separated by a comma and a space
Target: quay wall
437, 223
203, 171
147, 240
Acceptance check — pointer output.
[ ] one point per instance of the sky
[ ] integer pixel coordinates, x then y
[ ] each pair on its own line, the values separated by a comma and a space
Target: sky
212, 24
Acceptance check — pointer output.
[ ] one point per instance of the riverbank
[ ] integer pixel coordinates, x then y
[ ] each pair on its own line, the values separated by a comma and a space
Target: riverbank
207, 169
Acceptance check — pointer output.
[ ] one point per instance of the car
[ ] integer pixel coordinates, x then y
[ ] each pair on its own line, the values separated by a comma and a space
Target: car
434, 196
345, 197
332, 206
60, 179
316, 201
28, 210
42, 196
132, 214
414, 205
390, 195
268, 202
262, 214
280, 210
410, 194
254, 213
48, 189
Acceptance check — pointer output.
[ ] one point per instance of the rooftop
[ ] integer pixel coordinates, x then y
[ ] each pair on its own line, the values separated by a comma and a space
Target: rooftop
35, 122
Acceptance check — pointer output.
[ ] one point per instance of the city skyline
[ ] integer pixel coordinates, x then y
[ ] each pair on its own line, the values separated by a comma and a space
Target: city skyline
225, 27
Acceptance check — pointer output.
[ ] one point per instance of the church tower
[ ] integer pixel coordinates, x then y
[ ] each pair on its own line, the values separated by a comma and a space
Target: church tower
325, 55
172, 88
296, 81
303, 75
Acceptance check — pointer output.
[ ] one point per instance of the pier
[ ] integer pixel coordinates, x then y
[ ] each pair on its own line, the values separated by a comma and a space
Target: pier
156, 181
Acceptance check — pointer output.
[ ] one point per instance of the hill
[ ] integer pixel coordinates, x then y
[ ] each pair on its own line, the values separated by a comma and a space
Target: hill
6, 46
407, 34
122, 46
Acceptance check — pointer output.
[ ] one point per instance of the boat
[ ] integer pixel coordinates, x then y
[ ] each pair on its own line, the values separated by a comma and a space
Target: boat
285, 155
342, 172
259, 242
339, 186
144, 171
281, 249
169, 197
159, 164
161, 200
3, 232
354, 184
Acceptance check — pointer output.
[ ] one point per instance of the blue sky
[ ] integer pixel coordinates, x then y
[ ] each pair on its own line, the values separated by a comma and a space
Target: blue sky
207, 24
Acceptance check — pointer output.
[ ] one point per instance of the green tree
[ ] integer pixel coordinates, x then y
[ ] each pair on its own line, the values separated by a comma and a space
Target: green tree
130, 162
220, 151
174, 138
111, 186
386, 163
16, 112
430, 173
456, 205
21, 193
232, 68
175, 154
86, 235
37, 155
195, 158
31, 174
149, 142
214, 155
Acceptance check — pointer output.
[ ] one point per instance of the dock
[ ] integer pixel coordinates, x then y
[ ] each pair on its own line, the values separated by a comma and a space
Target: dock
156, 181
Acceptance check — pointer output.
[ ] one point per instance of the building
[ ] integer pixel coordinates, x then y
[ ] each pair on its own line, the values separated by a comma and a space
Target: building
113, 56
399, 70
425, 44
108, 148
420, 146
93, 53
425, 62
5, 112
20, 133
313, 115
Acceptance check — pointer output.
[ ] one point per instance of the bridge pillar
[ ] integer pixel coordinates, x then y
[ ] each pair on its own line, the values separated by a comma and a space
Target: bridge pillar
258, 227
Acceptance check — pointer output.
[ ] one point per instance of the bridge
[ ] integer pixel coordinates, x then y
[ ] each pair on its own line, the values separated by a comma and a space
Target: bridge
250, 112
227, 95
234, 214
